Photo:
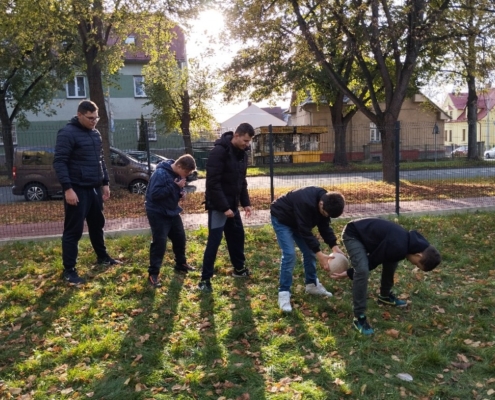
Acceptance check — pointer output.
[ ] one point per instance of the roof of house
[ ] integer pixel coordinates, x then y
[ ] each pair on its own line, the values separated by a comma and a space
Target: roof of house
275, 111
134, 52
486, 102
252, 115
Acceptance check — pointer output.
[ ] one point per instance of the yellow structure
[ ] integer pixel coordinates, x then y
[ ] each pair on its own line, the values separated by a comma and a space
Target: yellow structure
291, 144
456, 129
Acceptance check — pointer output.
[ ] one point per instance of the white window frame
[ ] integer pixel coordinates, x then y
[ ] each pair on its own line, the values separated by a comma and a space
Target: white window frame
151, 129
375, 134
78, 79
138, 83
14, 135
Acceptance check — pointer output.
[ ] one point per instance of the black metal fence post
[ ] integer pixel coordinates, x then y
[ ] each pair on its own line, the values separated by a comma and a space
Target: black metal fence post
397, 166
270, 145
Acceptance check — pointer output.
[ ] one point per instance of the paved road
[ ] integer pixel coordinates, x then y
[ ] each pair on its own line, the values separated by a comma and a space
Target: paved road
263, 182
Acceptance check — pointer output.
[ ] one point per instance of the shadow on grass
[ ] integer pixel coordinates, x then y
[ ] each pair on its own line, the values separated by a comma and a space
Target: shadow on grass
245, 356
27, 334
141, 351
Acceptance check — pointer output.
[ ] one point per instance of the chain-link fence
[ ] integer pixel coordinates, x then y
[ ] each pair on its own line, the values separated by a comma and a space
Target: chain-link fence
430, 174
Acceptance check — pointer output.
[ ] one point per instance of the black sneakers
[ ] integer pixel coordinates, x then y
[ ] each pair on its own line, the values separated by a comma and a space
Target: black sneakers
71, 276
184, 268
243, 273
205, 286
107, 261
154, 281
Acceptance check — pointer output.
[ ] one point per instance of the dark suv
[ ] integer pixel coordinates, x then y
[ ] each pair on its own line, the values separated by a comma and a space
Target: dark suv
142, 157
36, 180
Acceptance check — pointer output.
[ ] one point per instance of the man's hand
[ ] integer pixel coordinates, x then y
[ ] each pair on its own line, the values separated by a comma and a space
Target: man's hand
106, 192
229, 213
323, 260
336, 249
71, 197
340, 275
247, 211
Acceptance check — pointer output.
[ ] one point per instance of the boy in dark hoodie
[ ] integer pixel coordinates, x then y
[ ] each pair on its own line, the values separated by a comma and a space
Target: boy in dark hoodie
226, 188
165, 190
371, 242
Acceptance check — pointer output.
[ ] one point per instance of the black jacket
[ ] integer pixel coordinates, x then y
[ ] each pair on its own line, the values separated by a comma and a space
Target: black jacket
299, 210
226, 169
79, 157
163, 194
385, 241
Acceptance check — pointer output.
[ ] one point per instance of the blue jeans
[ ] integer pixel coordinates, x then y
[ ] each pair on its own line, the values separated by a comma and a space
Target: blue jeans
358, 257
218, 223
163, 227
286, 237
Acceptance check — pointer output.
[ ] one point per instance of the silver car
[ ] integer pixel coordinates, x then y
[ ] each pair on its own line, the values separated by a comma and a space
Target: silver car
490, 153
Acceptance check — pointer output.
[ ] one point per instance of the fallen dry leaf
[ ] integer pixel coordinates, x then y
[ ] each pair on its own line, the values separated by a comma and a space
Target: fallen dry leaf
393, 332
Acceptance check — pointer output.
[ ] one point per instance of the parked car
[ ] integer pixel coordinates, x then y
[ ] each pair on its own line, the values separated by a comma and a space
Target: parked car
490, 153
461, 151
35, 178
142, 156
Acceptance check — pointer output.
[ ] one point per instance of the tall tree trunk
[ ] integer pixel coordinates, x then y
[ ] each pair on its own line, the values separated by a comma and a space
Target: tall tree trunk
472, 118
92, 40
185, 122
8, 143
386, 126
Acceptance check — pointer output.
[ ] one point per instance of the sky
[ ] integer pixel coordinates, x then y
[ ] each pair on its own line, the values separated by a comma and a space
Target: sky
207, 29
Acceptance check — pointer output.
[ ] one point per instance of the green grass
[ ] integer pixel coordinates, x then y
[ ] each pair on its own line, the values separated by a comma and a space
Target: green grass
116, 338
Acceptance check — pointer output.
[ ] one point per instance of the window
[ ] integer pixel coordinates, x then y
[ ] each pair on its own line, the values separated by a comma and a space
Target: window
450, 136
151, 129
76, 88
139, 86
14, 136
463, 135
130, 40
375, 135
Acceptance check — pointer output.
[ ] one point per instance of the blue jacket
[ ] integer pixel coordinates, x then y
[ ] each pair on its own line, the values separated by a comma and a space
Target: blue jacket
163, 194
79, 157
299, 210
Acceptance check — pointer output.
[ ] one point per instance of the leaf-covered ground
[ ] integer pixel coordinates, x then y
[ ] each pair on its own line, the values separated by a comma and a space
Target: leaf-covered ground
116, 338
126, 205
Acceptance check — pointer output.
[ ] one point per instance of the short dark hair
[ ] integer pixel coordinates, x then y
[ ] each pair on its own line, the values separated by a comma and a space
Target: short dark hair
86, 106
244, 129
333, 204
430, 258
186, 162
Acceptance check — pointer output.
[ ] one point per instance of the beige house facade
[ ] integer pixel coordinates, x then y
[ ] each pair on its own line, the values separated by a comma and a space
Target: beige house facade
421, 122
456, 128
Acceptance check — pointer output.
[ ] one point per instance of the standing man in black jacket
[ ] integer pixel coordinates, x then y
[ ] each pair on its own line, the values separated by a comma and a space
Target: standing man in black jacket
226, 188
374, 241
81, 170
293, 216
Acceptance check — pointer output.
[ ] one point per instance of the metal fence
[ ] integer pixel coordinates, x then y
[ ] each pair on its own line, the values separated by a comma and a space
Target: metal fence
299, 157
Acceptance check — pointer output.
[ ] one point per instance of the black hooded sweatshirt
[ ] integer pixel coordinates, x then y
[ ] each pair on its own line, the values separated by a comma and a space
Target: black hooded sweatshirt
385, 241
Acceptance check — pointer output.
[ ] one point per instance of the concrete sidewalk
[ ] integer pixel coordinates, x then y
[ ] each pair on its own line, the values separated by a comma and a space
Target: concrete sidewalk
53, 230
